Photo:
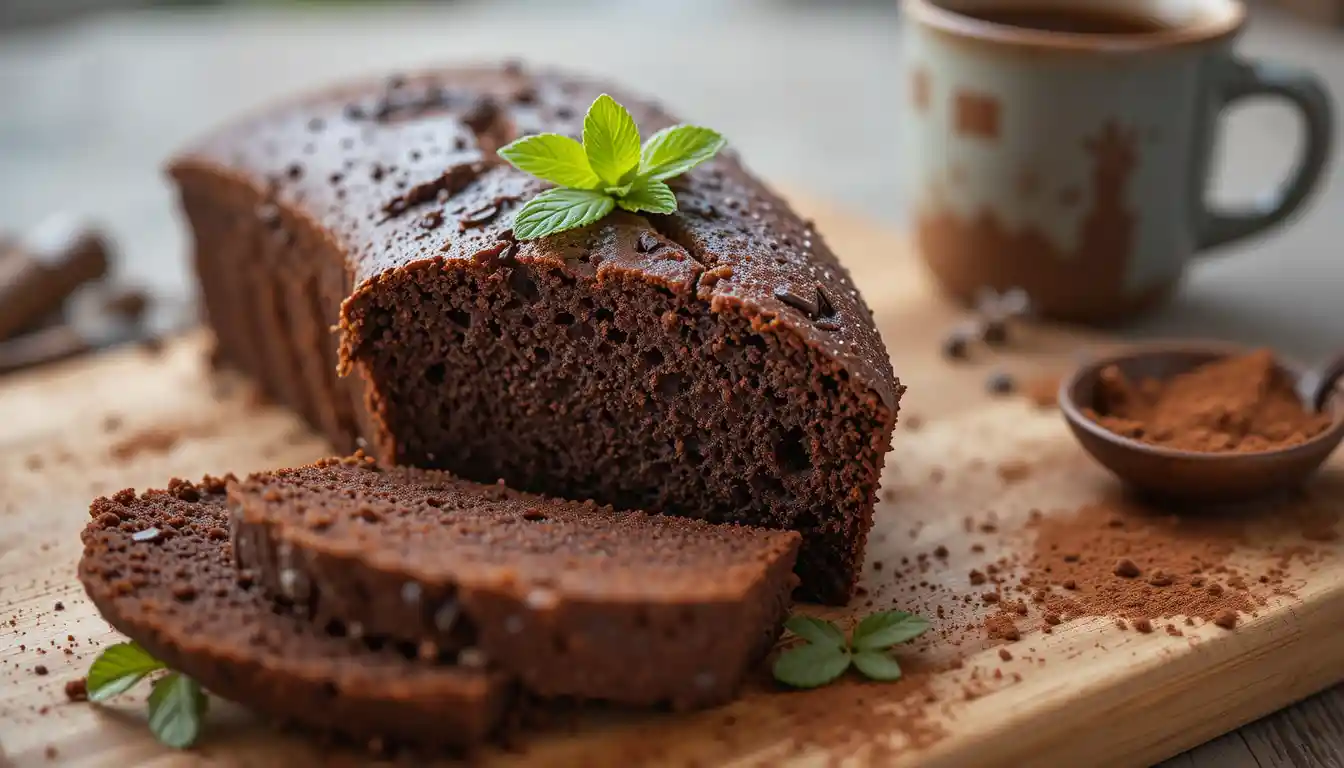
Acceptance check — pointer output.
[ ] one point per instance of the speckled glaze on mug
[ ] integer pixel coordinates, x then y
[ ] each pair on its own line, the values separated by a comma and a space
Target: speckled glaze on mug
1075, 165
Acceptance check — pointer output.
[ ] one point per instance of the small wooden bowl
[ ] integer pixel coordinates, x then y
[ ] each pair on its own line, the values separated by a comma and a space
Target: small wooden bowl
1193, 475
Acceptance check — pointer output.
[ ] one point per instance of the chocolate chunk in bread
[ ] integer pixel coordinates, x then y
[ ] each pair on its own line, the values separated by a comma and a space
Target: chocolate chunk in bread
575, 599
716, 363
159, 566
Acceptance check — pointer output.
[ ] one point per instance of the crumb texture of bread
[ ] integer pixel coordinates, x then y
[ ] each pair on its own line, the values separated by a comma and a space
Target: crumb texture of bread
575, 599
160, 569
715, 363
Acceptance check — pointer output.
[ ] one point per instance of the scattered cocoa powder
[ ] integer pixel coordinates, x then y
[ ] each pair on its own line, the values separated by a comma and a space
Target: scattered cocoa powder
1236, 405
153, 440
77, 689
1043, 390
838, 718
1014, 471
157, 440
1096, 554
1001, 626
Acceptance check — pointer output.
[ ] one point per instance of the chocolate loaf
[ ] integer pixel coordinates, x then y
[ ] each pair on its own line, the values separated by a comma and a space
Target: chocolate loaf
575, 599
715, 363
160, 569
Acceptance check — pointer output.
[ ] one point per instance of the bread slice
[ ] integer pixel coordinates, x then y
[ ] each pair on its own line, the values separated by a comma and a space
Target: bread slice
574, 599
717, 362
159, 567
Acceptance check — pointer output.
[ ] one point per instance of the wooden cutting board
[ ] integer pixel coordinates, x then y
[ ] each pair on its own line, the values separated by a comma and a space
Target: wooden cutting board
1088, 694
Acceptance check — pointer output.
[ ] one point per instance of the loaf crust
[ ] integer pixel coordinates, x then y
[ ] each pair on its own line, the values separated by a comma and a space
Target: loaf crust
160, 569
715, 363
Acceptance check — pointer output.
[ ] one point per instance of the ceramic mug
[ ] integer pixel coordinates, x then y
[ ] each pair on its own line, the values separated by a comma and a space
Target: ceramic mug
1063, 146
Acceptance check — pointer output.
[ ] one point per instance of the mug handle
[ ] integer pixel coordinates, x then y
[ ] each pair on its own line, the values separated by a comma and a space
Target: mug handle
1302, 90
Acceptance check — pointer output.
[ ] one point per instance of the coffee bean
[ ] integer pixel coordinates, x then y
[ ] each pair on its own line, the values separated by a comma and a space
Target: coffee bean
1001, 383
957, 344
994, 331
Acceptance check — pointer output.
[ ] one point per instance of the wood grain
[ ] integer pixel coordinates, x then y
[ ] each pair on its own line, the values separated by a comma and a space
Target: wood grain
1088, 694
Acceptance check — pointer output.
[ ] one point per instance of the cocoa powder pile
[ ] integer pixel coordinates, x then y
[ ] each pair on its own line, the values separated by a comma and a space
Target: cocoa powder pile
1240, 404
1119, 557
1116, 558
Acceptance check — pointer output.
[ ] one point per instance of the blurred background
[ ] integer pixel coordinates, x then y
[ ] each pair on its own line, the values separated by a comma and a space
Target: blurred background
95, 94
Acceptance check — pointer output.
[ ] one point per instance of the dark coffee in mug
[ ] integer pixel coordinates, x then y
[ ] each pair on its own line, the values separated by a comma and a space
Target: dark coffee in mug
1072, 20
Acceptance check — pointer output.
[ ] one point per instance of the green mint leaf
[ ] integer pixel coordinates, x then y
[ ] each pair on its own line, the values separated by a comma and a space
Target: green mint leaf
877, 665
554, 158
649, 195
611, 140
814, 630
885, 629
176, 707
557, 210
676, 150
117, 669
811, 666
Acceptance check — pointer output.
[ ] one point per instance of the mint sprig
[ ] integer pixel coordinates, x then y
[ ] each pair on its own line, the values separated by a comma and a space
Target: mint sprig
176, 707
828, 653
177, 704
609, 169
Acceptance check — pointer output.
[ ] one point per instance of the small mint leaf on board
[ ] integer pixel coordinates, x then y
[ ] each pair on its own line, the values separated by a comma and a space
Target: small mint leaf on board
649, 196
176, 707
883, 630
877, 665
676, 150
610, 140
554, 158
814, 630
557, 210
811, 665
117, 669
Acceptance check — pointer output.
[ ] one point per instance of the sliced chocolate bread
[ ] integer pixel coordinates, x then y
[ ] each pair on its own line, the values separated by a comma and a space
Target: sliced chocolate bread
159, 566
714, 363
574, 599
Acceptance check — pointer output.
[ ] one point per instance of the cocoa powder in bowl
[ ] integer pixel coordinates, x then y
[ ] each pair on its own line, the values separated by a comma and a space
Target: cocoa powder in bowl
1241, 404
